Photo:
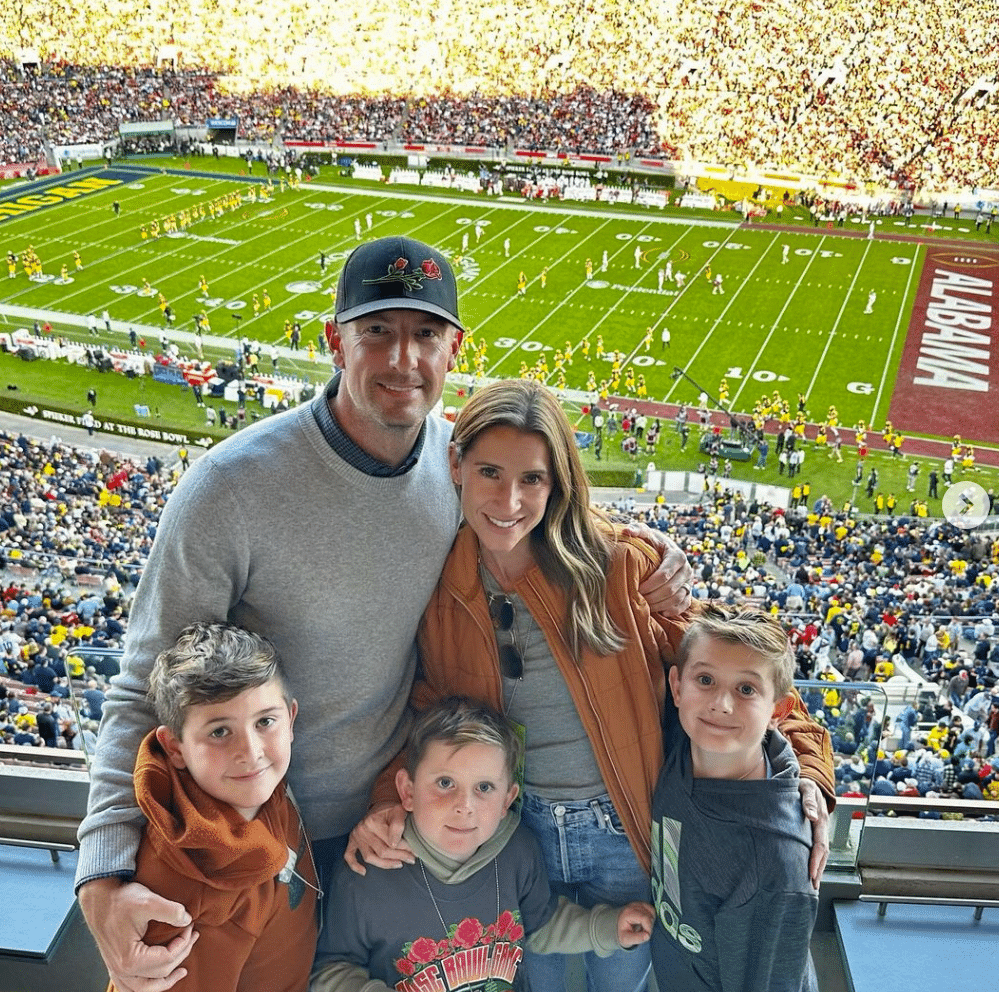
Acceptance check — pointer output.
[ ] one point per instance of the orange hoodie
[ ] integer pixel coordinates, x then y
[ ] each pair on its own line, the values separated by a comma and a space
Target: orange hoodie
256, 931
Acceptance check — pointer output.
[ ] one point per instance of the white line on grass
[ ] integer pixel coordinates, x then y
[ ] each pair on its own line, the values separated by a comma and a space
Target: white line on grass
894, 336
839, 317
718, 319
667, 309
535, 207
551, 312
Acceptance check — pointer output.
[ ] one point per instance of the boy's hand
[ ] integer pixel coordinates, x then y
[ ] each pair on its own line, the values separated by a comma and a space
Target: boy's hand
667, 589
378, 840
118, 914
816, 810
634, 924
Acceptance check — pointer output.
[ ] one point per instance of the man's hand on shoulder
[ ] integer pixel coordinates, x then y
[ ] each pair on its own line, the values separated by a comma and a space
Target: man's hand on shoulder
118, 914
668, 589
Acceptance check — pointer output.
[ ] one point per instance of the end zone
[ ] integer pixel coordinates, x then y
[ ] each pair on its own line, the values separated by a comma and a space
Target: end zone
948, 377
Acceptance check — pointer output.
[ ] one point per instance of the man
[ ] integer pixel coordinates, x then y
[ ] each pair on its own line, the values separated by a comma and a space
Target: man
95, 699
355, 495
872, 482
46, 724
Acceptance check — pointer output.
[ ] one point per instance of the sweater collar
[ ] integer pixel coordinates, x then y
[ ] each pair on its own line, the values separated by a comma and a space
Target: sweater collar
347, 448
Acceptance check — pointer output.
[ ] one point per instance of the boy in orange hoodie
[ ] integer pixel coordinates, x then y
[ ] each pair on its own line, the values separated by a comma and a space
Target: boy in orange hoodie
223, 836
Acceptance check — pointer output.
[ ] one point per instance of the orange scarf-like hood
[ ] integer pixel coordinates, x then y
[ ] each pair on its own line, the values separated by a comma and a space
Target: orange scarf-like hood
206, 841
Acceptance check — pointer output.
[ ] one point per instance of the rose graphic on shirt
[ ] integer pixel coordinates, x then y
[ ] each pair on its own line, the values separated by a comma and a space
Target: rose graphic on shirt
472, 958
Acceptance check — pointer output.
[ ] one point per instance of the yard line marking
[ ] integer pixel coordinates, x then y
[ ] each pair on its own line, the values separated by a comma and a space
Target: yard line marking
569, 251
773, 327
707, 337
534, 207
839, 317
894, 336
606, 311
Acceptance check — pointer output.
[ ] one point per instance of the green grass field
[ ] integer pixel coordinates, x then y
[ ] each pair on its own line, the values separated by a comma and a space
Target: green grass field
796, 325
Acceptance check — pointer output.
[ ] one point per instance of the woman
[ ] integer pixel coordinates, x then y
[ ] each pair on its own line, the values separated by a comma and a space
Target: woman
538, 613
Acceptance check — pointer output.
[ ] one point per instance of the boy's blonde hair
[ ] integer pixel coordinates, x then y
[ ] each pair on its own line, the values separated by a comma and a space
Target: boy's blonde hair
760, 632
209, 663
459, 721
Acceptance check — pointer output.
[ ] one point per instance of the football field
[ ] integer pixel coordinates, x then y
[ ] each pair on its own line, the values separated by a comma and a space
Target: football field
800, 310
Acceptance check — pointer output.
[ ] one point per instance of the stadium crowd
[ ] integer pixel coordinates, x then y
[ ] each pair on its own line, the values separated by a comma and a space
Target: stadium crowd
75, 526
909, 600
906, 99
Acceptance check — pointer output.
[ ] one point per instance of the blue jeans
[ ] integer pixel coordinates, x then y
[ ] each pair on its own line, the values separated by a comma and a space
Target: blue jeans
589, 860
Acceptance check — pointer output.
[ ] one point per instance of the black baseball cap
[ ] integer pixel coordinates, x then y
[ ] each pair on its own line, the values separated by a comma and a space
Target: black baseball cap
396, 273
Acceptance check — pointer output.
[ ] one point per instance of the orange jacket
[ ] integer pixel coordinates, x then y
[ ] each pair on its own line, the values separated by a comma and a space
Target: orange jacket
256, 931
619, 697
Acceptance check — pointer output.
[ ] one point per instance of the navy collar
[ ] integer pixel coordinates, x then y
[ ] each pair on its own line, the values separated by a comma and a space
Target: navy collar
348, 449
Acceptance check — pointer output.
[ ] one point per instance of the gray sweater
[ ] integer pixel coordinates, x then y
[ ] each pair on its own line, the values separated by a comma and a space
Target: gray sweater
274, 531
383, 928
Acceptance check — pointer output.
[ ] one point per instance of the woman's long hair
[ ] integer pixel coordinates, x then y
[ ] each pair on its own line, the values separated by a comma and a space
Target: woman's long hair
567, 543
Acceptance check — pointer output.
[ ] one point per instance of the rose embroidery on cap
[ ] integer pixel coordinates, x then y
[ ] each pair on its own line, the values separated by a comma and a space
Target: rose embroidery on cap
398, 272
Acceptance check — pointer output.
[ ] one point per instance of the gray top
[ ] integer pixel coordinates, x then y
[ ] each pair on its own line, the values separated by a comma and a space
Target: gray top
559, 763
734, 904
447, 924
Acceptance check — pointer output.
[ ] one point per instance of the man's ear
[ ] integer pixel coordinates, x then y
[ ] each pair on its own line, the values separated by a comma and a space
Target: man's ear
404, 786
782, 710
171, 745
333, 339
455, 345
